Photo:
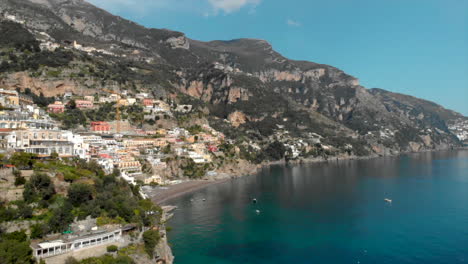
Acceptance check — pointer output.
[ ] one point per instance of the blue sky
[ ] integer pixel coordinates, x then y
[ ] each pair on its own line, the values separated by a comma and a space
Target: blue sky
417, 47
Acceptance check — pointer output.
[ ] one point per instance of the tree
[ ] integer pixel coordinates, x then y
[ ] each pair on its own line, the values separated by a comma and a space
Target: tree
37, 231
19, 180
112, 248
167, 149
275, 151
14, 248
23, 160
54, 156
79, 193
71, 260
39, 187
16, 172
19, 236
149, 212
14, 252
71, 105
61, 218
73, 117
24, 211
151, 239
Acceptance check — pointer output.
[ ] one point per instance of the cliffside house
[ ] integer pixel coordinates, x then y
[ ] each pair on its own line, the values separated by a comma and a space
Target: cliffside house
56, 108
84, 104
74, 242
100, 127
45, 142
148, 102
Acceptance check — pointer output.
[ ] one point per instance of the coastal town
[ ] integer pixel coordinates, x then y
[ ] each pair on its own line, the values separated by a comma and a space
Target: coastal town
117, 144
138, 156
106, 124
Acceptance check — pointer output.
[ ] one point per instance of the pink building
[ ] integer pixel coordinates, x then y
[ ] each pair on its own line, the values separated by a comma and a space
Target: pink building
100, 127
148, 102
56, 108
84, 104
212, 148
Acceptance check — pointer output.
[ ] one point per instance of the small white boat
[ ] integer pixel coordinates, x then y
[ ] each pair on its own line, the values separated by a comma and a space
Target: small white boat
257, 211
388, 200
254, 200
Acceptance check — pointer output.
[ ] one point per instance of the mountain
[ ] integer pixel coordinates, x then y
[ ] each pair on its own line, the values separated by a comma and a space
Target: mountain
258, 91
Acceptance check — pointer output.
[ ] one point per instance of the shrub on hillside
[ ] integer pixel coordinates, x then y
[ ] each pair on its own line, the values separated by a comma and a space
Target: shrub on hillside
112, 248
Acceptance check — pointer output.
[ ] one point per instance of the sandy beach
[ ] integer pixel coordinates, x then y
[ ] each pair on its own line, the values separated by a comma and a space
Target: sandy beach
161, 195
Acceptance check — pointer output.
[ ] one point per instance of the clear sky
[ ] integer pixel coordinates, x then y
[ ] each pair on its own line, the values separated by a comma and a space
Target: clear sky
416, 47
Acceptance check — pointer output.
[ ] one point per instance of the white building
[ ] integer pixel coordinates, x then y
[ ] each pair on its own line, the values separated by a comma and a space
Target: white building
75, 243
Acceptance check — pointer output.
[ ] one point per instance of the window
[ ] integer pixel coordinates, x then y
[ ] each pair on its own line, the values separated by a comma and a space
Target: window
77, 245
39, 252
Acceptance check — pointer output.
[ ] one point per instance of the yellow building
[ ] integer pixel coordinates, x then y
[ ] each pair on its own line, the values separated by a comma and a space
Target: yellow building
153, 179
123, 102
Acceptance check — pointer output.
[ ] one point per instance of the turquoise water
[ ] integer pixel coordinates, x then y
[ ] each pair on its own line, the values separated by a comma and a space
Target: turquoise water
331, 213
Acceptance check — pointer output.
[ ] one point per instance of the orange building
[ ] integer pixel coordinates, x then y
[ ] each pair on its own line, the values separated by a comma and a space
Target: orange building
100, 127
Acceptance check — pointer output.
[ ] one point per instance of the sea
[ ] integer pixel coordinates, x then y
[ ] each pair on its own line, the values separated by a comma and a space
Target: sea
331, 212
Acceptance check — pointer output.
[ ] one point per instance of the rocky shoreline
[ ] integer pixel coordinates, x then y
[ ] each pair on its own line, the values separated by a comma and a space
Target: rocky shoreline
163, 249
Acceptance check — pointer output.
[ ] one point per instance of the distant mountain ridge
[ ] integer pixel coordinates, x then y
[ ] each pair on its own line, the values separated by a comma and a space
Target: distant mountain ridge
244, 81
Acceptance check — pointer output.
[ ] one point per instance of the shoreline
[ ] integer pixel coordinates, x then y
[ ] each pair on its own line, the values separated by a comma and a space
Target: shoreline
164, 196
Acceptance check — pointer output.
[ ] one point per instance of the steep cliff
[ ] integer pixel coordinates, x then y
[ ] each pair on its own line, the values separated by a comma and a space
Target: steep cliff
244, 81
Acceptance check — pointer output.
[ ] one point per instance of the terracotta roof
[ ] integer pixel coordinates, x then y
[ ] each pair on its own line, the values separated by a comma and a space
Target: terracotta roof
105, 156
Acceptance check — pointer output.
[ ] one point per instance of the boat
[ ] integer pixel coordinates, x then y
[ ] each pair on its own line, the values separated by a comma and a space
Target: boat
257, 211
388, 200
254, 200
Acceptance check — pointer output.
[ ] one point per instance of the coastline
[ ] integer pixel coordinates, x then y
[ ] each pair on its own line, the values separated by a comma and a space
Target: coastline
164, 196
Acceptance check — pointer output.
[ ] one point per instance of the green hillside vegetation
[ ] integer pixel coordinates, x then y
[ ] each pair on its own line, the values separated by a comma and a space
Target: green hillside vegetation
88, 192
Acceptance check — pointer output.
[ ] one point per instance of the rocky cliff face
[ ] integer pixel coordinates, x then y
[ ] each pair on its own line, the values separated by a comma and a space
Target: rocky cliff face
243, 81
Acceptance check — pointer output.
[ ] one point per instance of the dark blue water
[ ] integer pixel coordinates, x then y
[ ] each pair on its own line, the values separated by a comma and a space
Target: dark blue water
331, 213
